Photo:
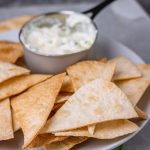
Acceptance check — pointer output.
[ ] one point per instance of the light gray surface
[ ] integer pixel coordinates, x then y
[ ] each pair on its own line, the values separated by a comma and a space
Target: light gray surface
131, 27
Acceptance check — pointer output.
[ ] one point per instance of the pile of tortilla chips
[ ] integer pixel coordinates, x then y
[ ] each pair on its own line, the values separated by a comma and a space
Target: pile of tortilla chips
92, 99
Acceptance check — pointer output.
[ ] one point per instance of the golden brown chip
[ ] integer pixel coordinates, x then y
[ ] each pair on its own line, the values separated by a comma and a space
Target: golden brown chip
145, 69
6, 129
13, 23
105, 130
33, 107
66, 144
86, 71
43, 139
19, 84
8, 71
10, 51
62, 97
134, 88
67, 85
125, 69
90, 105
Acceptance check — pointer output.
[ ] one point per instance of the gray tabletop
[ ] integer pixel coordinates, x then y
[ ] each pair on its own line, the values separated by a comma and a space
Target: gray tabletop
125, 21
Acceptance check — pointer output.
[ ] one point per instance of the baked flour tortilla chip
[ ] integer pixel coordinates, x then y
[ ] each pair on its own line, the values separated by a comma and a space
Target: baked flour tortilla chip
86, 71
6, 128
90, 105
33, 107
134, 88
125, 69
18, 84
16, 124
10, 51
62, 97
105, 130
66, 144
43, 139
13, 23
145, 69
67, 85
8, 70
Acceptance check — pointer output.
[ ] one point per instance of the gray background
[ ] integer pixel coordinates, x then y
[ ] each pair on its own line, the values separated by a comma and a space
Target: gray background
12, 3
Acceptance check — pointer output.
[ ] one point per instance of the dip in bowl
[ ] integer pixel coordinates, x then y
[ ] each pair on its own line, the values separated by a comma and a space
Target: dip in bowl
56, 40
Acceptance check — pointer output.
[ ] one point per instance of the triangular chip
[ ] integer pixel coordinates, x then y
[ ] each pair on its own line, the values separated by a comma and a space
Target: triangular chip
43, 139
62, 97
67, 85
33, 107
105, 130
10, 51
17, 85
145, 69
6, 129
8, 71
134, 88
95, 102
66, 144
125, 69
16, 124
86, 71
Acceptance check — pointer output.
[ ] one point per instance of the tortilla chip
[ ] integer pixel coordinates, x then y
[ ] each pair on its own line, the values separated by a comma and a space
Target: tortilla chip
62, 97
10, 51
66, 144
134, 88
142, 115
90, 105
16, 125
19, 84
86, 71
8, 71
33, 107
105, 130
125, 69
13, 23
67, 85
6, 129
145, 69
43, 139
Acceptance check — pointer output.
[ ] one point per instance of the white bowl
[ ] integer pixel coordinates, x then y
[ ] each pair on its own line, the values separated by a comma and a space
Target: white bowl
52, 63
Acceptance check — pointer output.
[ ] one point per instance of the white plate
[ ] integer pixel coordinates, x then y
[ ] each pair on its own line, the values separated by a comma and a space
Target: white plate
103, 48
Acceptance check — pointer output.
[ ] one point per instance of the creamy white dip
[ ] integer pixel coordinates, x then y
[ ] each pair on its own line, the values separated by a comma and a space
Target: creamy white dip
76, 33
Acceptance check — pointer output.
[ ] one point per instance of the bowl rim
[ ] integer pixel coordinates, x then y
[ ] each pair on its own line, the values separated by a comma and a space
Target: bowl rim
50, 13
